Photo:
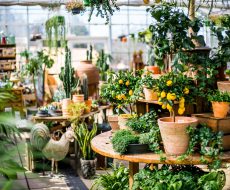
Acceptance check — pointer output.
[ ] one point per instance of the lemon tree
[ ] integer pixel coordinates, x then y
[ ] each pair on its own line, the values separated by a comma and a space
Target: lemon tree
123, 88
174, 88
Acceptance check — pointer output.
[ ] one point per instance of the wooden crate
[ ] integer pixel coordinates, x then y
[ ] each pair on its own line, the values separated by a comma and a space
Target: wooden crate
217, 124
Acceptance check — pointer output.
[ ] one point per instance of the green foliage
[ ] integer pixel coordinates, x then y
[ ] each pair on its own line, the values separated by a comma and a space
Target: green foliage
118, 179
122, 139
148, 81
227, 72
59, 94
85, 87
84, 137
89, 53
67, 74
218, 96
178, 178
25, 54
144, 123
55, 30
102, 64
207, 142
104, 8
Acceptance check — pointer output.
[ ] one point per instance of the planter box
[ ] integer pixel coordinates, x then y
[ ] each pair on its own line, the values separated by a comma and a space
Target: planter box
217, 124
137, 148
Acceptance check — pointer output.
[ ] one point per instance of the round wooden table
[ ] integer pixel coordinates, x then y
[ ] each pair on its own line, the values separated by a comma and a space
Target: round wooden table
101, 144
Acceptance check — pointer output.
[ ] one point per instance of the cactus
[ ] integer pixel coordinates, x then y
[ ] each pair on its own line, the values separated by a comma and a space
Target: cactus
85, 88
89, 53
67, 74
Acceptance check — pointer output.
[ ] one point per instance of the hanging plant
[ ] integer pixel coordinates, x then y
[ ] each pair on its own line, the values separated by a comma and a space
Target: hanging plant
75, 6
55, 30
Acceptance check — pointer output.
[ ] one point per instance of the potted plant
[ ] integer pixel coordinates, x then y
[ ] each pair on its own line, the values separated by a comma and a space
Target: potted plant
122, 90
74, 6
26, 54
175, 88
88, 160
220, 103
149, 86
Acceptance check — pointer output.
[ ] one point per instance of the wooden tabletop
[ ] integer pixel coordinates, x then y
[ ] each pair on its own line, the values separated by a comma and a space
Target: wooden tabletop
101, 144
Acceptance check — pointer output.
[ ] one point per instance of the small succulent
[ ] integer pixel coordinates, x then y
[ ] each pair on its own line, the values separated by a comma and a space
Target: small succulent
74, 4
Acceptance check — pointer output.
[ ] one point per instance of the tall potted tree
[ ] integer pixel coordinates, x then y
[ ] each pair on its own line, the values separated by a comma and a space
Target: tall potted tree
175, 89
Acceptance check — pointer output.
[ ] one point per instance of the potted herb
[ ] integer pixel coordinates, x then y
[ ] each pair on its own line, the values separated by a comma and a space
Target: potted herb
220, 103
88, 160
74, 6
175, 88
149, 86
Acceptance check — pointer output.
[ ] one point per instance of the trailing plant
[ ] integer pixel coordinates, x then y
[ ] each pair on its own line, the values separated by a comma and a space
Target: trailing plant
122, 139
144, 123
84, 137
218, 96
67, 75
208, 143
104, 8
102, 63
178, 178
175, 87
116, 180
55, 30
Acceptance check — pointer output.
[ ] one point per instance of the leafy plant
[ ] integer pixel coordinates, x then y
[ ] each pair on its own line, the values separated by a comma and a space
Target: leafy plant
175, 87
227, 72
59, 94
218, 96
67, 74
178, 178
148, 81
76, 109
25, 54
104, 8
144, 123
116, 180
122, 139
84, 137
102, 64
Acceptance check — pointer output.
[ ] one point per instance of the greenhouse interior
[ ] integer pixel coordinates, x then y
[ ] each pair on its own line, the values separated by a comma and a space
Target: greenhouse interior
114, 95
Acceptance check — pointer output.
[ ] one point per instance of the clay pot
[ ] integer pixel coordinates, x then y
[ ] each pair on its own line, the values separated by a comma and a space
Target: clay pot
223, 86
65, 104
88, 103
113, 122
92, 72
122, 120
174, 136
153, 69
150, 94
78, 98
220, 109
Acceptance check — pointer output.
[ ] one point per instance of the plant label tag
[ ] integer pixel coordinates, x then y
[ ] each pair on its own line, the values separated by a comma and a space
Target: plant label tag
180, 121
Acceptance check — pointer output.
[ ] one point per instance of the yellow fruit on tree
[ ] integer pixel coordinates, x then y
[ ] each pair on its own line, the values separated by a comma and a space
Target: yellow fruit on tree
181, 105
123, 96
169, 107
130, 92
181, 111
119, 97
168, 96
163, 94
173, 96
164, 106
186, 90
120, 81
127, 83
169, 83
160, 102
182, 100
146, 1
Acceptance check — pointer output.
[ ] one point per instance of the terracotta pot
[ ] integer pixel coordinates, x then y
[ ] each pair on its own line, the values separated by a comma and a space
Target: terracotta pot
220, 109
122, 120
174, 136
154, 69
223, 86
78, 98
113, 122
65, 103
150, 94
88, 103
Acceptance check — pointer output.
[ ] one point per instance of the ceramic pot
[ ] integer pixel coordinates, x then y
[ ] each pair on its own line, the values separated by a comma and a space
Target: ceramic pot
174, 136
78, 98
122, 120
220, 109
137, 148
223, 86
88, 168
113, 122
153, 69
65, 104
150, 94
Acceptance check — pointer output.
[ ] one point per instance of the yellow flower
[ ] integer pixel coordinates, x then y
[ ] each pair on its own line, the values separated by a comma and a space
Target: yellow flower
130, 92
127, 83
120, 81
186, 90
160, 102
164, 106
163, 94
169, 83
181, 111
169, 107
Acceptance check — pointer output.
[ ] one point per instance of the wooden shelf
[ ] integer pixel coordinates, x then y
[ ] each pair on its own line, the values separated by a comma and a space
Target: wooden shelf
148, 101
8, 57
7, 45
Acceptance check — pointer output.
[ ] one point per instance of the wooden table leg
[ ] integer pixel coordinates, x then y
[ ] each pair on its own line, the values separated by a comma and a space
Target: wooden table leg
133, 169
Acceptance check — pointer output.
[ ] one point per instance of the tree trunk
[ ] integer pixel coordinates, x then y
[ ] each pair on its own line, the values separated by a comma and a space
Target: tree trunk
35, 91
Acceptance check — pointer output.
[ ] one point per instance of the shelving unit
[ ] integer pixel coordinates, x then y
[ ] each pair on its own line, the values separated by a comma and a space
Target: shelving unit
7, 59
